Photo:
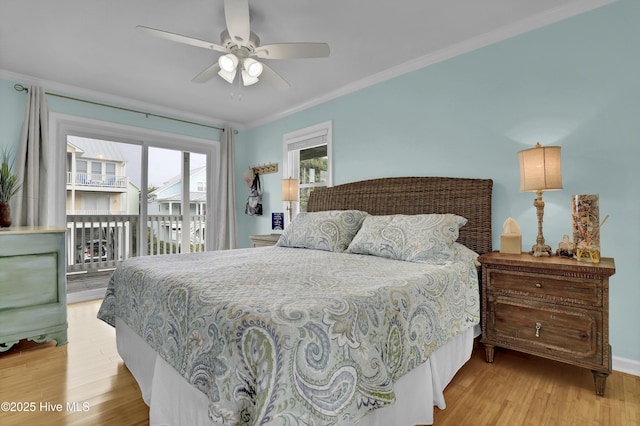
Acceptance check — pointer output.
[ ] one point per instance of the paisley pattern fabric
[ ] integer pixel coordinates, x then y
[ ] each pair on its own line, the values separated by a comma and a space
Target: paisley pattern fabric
285, 336
413, 238
330, 230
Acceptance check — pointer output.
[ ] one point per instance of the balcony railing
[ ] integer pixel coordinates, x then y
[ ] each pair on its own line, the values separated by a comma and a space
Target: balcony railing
98, 242
96, 180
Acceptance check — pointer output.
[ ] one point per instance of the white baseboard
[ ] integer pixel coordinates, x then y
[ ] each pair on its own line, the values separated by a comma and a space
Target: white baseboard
624, 365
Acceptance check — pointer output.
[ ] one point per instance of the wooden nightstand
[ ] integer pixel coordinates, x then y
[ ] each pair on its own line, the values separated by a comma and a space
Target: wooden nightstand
552, 307
264, 240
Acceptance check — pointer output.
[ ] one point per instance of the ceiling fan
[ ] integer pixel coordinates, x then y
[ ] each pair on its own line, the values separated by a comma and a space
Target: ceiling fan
240, 46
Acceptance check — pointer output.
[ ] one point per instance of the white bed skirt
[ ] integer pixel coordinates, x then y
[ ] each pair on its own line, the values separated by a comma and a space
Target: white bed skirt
174, 401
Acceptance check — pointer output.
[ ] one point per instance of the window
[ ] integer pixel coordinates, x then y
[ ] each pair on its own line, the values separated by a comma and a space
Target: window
313, 171
110, 169
96, 171
307, 156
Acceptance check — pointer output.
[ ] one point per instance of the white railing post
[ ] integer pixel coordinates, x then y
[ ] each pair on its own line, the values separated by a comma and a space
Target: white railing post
102, 241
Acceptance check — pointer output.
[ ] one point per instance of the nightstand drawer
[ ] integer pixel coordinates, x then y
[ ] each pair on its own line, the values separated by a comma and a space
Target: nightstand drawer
546, 329
579, 291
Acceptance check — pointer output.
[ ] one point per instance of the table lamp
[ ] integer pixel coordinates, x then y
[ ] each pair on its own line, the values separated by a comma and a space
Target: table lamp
290, 193
540, 171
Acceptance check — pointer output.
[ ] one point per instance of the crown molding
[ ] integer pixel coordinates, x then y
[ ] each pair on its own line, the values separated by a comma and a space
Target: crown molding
508, 31
81, 93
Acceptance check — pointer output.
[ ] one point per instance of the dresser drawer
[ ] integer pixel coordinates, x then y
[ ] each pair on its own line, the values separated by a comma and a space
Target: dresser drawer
546, 329
578, 291
28, 280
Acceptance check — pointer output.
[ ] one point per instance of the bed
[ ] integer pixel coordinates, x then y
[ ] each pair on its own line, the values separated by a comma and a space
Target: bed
329, 327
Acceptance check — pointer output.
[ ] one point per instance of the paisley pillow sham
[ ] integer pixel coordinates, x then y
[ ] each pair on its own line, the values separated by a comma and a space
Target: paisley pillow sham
413, 238
330, 230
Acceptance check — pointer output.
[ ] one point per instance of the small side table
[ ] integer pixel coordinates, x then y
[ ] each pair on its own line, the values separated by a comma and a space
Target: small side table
264, 240
548, 306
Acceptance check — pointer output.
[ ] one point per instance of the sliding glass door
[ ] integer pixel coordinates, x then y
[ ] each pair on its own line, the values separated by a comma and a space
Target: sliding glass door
176, 201
129, 192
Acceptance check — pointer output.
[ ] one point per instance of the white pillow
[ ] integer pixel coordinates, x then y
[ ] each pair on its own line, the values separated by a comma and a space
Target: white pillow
330, 230
414, 238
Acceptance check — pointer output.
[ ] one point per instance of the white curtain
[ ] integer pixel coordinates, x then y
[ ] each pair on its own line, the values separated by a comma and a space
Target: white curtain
32, 160
226, 226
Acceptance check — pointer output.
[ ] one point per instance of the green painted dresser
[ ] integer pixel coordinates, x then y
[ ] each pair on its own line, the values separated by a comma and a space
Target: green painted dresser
33, 300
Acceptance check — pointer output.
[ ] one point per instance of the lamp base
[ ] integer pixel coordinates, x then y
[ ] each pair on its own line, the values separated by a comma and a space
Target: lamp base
290, 210
539, 250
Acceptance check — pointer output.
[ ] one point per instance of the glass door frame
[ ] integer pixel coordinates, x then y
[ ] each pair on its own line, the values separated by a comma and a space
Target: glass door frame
61, 125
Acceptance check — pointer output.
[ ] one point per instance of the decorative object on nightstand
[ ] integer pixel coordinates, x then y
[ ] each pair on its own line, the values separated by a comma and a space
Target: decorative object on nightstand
540, 171
550, 307
565, 248
585, 215
290, 193
277, 221
264, 240
511, 239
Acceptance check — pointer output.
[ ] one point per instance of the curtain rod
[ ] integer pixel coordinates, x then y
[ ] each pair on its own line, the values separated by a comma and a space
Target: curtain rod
21, 88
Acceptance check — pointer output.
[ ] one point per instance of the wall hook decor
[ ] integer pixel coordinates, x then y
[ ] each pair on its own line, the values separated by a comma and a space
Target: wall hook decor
265, 169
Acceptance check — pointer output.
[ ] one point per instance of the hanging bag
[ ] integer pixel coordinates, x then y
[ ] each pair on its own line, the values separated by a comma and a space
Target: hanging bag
254, 202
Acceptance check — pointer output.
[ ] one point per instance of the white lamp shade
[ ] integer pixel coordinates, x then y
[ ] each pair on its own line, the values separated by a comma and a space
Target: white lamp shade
247, 79
290, 189
253, 67
540, 169
228, 62
229, 76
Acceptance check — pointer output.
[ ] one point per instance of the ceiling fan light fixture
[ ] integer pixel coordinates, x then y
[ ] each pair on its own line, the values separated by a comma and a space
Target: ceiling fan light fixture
228, 63
253, 68
229, 76
248, 79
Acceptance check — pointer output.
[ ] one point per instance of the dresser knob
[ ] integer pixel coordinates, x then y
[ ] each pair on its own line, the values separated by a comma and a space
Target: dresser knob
538, 327
538, 284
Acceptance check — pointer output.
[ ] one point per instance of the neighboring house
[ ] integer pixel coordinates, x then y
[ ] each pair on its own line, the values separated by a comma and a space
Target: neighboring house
97, 181
98, 187
167, 201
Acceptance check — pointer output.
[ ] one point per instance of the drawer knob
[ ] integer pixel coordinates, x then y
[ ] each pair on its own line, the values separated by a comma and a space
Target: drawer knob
538, 327
538, 284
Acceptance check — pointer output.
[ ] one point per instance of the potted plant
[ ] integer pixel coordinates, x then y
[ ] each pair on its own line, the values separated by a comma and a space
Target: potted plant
9, 185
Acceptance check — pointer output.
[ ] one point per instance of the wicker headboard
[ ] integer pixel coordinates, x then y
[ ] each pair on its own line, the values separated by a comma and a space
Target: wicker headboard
470, 198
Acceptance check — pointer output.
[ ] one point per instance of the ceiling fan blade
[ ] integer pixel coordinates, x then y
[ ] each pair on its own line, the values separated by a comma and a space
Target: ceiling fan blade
236, 13
207, 74
292, 50
181, 39
273, 78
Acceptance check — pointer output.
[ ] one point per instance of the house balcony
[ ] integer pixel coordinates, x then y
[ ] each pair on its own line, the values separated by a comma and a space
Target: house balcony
96, 182
99, 242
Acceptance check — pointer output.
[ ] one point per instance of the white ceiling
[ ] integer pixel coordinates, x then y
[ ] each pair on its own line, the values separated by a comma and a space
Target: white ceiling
90, 48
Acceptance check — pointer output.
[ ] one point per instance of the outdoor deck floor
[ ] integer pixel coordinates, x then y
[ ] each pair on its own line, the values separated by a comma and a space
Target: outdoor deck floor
89, 282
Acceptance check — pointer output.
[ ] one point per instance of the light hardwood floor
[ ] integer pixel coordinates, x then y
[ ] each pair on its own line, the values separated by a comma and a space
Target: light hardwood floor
516, 389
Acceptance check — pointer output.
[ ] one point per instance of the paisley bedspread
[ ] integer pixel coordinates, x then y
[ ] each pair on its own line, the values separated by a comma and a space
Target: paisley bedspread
286, 336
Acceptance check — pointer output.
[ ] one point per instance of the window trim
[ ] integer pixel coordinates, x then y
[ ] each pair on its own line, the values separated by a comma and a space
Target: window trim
308, 137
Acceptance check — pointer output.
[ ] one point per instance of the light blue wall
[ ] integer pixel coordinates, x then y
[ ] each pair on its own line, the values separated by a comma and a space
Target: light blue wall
13, 104
575, 84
